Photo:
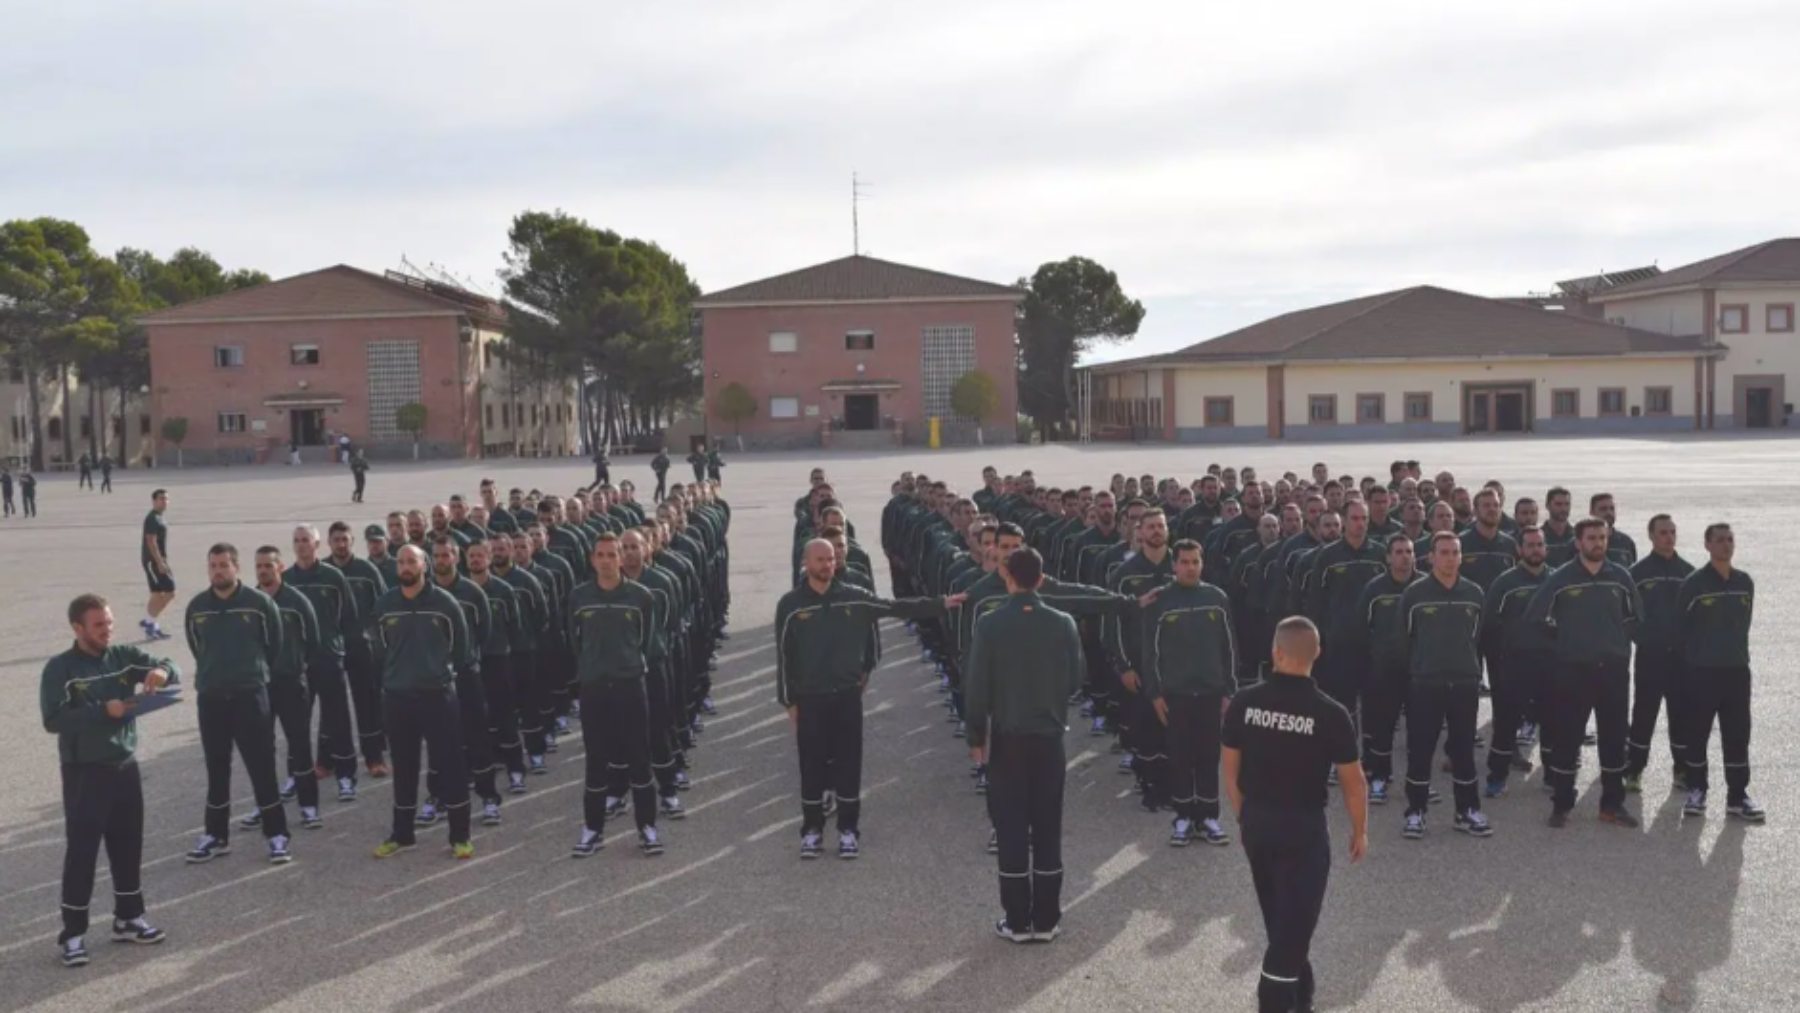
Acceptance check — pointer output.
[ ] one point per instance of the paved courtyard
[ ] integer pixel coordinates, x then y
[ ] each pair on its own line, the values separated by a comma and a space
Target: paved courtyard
1676, 916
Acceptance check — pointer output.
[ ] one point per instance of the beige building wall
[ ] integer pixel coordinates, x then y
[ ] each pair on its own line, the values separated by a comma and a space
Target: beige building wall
508, 411
1667, 313
15, 432
1247, 386
1445, 383
1758, 352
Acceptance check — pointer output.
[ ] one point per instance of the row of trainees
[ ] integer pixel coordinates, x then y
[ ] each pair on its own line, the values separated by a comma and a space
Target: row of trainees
480, 650
1335, 570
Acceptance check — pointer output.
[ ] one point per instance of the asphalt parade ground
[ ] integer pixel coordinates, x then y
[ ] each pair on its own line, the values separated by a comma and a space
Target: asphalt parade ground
1700, 915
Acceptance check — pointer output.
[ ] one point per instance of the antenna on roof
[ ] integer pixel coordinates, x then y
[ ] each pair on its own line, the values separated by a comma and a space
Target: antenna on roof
857, 193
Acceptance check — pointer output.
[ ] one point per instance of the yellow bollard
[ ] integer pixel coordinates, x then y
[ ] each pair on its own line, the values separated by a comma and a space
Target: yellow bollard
934, 432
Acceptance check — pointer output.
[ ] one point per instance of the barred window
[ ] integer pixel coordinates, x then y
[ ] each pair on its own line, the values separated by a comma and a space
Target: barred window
947, 353
393, 381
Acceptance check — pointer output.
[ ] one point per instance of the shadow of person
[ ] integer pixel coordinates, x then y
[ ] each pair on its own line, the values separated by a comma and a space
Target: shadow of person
1682, 926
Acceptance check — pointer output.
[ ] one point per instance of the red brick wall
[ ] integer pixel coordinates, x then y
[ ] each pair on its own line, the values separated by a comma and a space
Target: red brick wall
184, 381
736, 348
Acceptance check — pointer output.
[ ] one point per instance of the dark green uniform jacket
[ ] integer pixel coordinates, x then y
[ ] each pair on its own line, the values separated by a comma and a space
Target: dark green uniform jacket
1485, 559
1340, 572
506, 629
421, 641
1715, 628
235, 639
1594, 614
1443, 628
1658, 583
1503, 626
1189, 648
1023, 667
821, 639
1124, 636
1381, 635
611, 631
299, 634
367, 583
324, 585
72, 696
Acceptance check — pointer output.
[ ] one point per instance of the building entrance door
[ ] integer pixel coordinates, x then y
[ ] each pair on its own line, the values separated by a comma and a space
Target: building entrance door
307, 426
1509, 412
861, 411
1497, 408
1759, 405
1481, 413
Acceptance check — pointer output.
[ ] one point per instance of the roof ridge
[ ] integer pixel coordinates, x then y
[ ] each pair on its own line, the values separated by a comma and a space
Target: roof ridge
203, 300
1376, 302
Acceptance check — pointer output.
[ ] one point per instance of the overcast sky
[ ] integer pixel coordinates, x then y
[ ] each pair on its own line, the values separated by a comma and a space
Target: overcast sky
1229, 161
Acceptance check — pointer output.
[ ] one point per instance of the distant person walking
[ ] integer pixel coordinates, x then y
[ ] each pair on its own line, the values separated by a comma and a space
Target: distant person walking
106, 467
86, 464
658, 464
154, 556
602, 468
28, 493
6, 490
697, 460
359, 470
715, 463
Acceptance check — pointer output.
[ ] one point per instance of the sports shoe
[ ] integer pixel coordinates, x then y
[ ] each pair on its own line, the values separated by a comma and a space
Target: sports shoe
1415, 825
574, 715
981, 783
706, 705
390, 847
1099, 726
289, 790
1559, 818
589, 842
251, 820
1010, 934
428, 814
550, 742
848, 846
1695, 804
536, 765
993, 844
379, 770
490, 814
811, 844
1378, 791
462, 851
278, 850
682, 782
1634, 783
1495, 787
698, 726
1619, 817
309, 817
1181, 834
346, 789
136, 930
613, 806
158, 633
671, 807
74, 952
562, 726
1746, 809
1046, 935
1212, 833
1528, 733
1128, 764
515, 782
209, 848
649, 842
1472, 822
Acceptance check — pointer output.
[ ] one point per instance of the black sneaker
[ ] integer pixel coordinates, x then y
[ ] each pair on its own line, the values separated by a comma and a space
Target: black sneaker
137, 930
682, 782
251, 820
279, 854
1746, 809
812, 844
1473, 823
1010, 934
849, 845
209, 848
74, 952
589, 842
649, 843
309, 818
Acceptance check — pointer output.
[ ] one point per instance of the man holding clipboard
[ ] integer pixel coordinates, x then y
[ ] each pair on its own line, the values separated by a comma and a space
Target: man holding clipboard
90, 696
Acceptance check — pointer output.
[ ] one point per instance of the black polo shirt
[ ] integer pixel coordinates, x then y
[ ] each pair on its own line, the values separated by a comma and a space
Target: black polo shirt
1290, 734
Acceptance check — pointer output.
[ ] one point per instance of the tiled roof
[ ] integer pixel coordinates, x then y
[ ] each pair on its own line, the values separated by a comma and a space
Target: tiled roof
858, 279
340, 291
1775, 260
1423, 322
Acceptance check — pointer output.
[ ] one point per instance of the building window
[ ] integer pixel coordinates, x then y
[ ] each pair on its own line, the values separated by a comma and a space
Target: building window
228, 356
232, 422
1418, 406
1219, 411
143, 425
1778, 318
1734, 318
1612, 400
1565, 403
87, 428
506, 414
303, 355
945, 354
783, 342
53, 428
859, 341
487, 414
1321, 409
1371, 407
784, 407
534, 415
393, 368
18, 428
1659, 400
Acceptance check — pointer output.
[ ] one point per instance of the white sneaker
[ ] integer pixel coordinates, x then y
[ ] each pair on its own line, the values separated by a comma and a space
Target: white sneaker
671, 807
515, 783
309, 817
490, 814
1181, 834
278, 850
649, 843
1212, 833
589, 842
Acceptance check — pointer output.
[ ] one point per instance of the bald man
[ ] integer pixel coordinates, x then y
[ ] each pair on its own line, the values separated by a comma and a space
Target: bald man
821, 630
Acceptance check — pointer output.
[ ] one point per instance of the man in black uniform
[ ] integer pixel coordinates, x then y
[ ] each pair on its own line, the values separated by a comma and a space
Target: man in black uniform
1190, 666
821, 635
106, 467
1280, 738
28, 492
367, 583
1378, 644
87, 697
1442, 614
660, 465
1716, 605
324, 585
288, 697
1657, 674
1518, 658
6, 490
155, 558
1023, 668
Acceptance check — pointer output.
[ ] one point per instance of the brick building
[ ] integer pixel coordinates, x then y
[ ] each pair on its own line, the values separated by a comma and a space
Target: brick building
339, 350
858, 352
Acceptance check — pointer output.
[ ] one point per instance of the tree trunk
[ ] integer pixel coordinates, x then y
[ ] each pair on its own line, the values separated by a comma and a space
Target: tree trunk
68, 437
96, 420
35, 402
415, 446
